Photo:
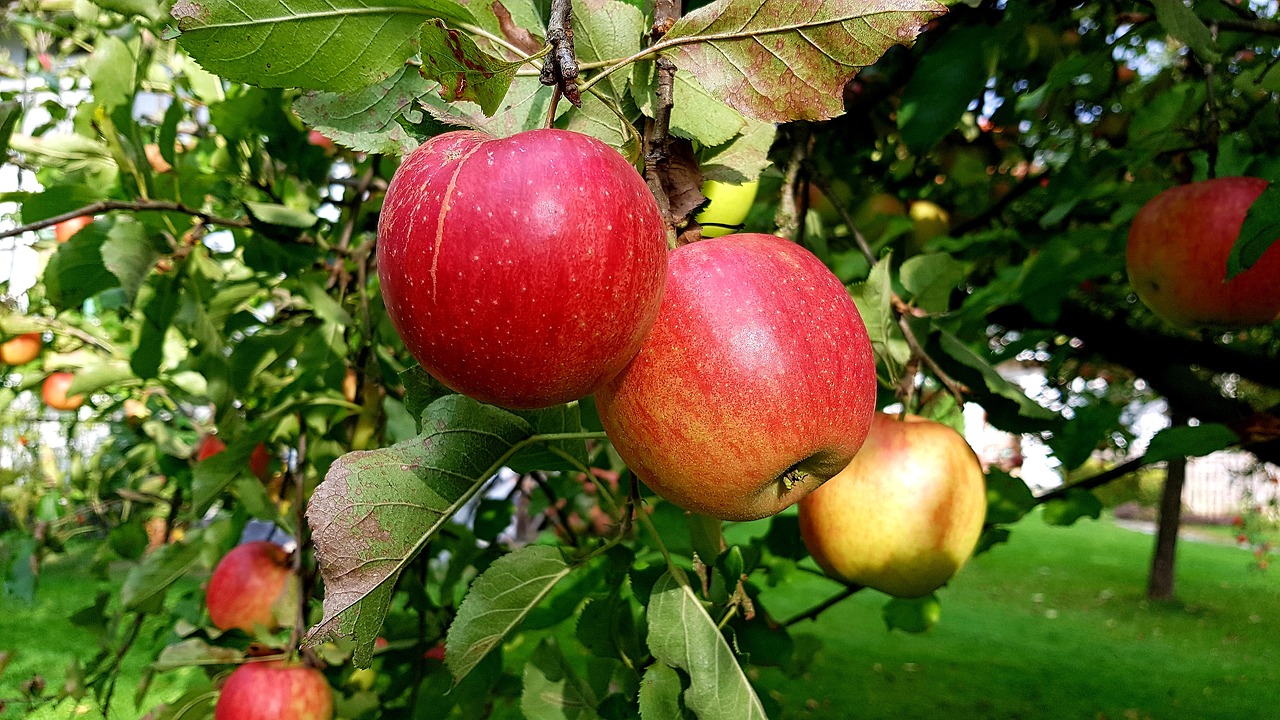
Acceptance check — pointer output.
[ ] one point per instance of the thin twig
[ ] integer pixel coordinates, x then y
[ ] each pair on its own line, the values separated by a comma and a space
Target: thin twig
656, 137
814, 612
1094, 481
134, 205
553, 510
560, 69
300, 536
1260, 27
1212, 128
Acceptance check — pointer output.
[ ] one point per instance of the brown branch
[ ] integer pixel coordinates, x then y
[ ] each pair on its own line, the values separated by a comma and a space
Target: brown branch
553, 510
300, 536
814, 612
656, 137
560, 69
134, 205
789, 218
1094, 481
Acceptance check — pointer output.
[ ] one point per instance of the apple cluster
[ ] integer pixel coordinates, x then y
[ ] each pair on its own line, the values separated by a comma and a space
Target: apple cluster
733, 375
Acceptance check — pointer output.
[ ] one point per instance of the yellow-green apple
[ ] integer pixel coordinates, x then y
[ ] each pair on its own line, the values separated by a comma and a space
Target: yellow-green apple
928, 221
756, 384
522, 271
727, 207
21, 349
1177, 256
54, 392
274, 691
253, 587
64, 230
905, 515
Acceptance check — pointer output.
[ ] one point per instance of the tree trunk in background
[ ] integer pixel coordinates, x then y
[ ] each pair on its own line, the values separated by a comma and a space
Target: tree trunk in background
1160, 583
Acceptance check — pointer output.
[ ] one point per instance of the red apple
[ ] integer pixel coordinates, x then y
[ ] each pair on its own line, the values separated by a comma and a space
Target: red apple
260, 462
1177, 256
22, 349
320, 140
275, 691
755, 385
209, 447
65, 229
54, 392
522, 271
252, 587
905, 515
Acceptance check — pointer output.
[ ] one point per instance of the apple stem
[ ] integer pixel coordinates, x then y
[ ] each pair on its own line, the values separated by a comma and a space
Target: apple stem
560, 69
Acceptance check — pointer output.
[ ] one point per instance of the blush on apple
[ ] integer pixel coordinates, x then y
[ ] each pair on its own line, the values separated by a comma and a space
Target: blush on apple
211, 445
1177, 256
21, 349
905, 515
253, 587
522, 271
64, 230
54, 392
755, 385
274, 691
260, 462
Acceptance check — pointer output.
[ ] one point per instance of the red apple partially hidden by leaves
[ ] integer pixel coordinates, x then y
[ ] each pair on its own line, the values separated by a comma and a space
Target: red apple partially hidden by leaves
22, 349
1177, 256
260, 462
905, 515
317, 138
253, 587
275, 691
755, 385
522, 271
54, 392
63, 231
211, 445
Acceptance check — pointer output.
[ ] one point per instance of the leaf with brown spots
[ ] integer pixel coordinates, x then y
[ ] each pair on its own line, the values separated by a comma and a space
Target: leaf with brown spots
781, 60
376, 510
464, 71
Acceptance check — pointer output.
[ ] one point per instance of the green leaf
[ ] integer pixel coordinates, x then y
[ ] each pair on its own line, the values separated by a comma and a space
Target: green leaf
145, 585
552, 689
10, 114
930, 279
157, 316
961, 352
128, 540
1074, 441
129, 255
874, 299
369, 120
606, 30
150, 9
196, 704
111, 72
776, 61
211, 476
1186, 441
1258, 233
1075, 504
76, 271
913, 615
524, 108
1008, 497
310, 44
682, 635
562, 455
499, 600
947, 79
20, 578
660, 694
194, 651
375, 510
420, 390
695, 113
281, 215
100, 375
743, 158
464, 71
1182, 23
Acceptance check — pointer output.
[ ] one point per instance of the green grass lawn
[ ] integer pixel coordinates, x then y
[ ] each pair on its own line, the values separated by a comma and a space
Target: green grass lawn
1053, 625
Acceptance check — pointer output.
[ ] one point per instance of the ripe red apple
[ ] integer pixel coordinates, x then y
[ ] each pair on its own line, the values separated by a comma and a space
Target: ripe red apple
54, 392
522, 271
63, 231
755, 385
320, 140
260, 462
209, 446
22, 349
252, 587
905, 515
275, 691
1177, 256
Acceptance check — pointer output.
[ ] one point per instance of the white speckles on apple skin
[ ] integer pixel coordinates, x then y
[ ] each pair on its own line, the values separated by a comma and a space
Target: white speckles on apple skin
553, 299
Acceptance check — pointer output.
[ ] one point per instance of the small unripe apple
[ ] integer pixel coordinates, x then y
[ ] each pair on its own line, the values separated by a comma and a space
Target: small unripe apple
275, 691
756, 384
252, 587
54, 392
522, 271
875, 213
1177, 256
64, 230
22, 349
928, 221
209, 446
905, 515
728, 206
